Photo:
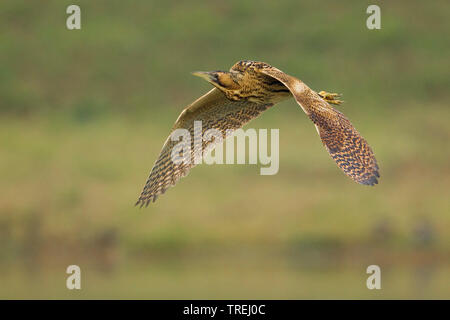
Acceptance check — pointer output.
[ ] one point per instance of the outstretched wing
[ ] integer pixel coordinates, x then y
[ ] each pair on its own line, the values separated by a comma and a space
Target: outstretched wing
214, 111
343, 142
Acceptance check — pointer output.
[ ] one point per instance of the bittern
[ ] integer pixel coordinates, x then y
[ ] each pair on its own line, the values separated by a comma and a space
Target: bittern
242, 94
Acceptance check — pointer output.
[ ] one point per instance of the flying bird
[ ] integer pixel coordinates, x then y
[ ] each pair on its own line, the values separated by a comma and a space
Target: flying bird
242, 94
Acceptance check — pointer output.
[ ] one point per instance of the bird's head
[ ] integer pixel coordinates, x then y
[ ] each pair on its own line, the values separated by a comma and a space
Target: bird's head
245, 81
223, 80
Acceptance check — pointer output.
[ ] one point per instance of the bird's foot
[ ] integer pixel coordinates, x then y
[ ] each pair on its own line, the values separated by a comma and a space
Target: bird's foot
331, 97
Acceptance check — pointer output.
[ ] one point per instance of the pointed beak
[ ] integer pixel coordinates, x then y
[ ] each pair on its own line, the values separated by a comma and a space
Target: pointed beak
208, 76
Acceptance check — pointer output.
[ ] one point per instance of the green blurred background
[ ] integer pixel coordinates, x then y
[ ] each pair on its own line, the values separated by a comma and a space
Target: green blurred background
84, 113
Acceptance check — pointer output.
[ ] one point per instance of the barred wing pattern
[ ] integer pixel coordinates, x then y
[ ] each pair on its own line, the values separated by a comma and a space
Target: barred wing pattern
214, 111
347, 147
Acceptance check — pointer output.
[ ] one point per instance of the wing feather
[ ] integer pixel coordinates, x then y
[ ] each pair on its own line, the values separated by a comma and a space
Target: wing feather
346, 146
216, 112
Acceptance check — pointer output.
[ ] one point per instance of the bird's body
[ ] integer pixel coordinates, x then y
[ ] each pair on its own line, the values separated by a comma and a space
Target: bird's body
246, 82
239, 96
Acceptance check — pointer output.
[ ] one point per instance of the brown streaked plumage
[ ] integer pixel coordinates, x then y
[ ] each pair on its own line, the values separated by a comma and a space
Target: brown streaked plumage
243, 93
